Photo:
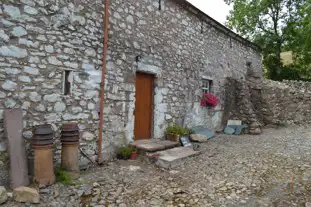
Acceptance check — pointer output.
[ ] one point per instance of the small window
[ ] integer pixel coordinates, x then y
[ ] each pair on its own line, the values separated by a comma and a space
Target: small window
207, 85
67, 83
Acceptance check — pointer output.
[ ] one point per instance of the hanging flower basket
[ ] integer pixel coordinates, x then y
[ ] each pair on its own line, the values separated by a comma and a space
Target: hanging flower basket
209, 100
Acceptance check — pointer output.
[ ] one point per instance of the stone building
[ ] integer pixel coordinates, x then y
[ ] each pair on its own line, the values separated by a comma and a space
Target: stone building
162, 55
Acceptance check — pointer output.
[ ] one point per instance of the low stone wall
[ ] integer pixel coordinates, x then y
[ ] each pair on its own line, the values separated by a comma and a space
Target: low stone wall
286, 102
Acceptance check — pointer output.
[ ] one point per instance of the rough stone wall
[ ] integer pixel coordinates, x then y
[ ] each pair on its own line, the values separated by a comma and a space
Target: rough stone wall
39, 40
243, 101
42, 38
286, 102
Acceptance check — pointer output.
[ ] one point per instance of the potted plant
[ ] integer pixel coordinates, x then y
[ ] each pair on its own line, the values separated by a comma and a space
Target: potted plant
134, 154
174, 132
209, 100
124, 153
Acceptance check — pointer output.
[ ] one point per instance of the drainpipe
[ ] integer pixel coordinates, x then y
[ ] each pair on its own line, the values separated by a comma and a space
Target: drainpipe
102, 90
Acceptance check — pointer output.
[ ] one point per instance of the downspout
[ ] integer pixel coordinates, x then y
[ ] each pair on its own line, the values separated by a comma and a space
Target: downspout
102, 84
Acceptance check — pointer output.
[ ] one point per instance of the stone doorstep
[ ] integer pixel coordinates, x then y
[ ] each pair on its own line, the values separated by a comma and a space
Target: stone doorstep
154, 145
172, 157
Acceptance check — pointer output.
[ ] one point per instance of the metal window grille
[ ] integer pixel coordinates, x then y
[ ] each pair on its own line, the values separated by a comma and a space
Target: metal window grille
207, 85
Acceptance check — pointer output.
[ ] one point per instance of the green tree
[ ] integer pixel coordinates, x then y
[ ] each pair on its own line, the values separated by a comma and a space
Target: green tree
300, 43
269, 23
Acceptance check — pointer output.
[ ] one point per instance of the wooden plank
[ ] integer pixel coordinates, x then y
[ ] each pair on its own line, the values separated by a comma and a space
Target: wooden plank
13, 128
143, 106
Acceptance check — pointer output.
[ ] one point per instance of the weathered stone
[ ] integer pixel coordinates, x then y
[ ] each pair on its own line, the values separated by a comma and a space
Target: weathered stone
3, 36
51, 98
130, 19
3, 195
12, 11
198, 138
7, 23
71, 64
2, 94
90, 52
41, 37
13, 127
30, 10
59, 106
27, 134
9, 85
91, 106
168, 117
40, 108
29, 43
26, 195
54, 61
52, 117
88, 136
34, 60
80, 20
76, 109
31, 70
69, 51
24, 79
9, 103
35, 97
12, 71
26, 105
13, 51
19, 31
229, 130
59, 20
49, 48
255, 131
3, 146
29, 2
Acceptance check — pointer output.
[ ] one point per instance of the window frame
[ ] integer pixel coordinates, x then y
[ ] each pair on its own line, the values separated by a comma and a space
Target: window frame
206, 85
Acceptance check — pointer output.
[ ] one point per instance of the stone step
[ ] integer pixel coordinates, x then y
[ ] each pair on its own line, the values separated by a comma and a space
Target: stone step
172, 157
154, 145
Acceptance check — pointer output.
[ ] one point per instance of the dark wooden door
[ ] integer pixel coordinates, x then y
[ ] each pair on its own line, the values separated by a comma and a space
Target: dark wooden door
143, 106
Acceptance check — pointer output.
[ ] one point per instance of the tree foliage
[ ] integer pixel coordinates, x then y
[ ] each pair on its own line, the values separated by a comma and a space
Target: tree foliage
276, 25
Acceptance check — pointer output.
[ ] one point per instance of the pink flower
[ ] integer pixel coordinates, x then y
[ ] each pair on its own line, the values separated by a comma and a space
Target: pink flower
209, 99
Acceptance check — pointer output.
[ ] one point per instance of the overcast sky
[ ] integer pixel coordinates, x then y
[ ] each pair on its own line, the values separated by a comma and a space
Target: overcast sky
217, 9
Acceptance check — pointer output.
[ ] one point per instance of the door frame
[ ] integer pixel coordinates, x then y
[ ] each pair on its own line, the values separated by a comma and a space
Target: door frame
152, 102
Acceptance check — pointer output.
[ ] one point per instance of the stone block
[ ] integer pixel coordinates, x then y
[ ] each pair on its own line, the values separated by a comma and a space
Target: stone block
172, 157
229, 130
13, 128
198, 138
26, 195
3, 195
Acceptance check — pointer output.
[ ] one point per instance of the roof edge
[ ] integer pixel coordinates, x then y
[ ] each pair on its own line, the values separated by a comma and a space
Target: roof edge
211, 21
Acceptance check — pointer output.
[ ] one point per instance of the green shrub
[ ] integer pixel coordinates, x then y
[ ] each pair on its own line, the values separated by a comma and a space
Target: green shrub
62, 176
176, 129
125, 152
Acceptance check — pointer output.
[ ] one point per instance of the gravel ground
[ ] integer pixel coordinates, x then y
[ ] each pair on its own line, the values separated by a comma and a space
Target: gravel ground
271, 169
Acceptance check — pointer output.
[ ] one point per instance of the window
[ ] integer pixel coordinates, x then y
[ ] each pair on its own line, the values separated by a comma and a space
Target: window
207, 85
67, 82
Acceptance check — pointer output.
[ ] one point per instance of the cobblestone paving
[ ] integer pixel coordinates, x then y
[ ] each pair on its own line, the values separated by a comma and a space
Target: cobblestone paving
271, 169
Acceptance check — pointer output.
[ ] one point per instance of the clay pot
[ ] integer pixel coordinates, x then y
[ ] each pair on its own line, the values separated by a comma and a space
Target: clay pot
173, 137
70, 149
45, 129
70, 158
43, 165
134, 155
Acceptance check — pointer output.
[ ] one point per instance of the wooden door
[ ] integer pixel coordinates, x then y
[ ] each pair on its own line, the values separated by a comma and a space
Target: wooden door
143, 106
